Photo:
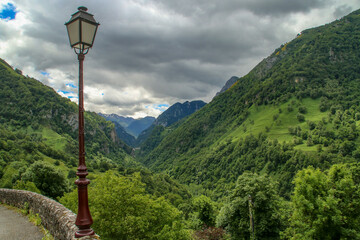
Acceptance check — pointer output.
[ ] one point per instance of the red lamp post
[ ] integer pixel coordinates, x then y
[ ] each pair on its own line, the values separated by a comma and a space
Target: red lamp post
82, 29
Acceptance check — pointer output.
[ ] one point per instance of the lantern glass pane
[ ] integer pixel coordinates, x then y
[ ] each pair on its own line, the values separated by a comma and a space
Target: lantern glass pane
73, 31
88, 33
77, 46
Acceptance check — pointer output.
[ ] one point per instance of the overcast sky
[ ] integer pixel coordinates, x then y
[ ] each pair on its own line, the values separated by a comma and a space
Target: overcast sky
150, 54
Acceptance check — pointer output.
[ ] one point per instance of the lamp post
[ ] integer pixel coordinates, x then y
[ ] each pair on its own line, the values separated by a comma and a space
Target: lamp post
81, 29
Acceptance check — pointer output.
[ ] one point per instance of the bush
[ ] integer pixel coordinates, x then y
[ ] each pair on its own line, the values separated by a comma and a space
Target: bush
300, 117
28, 186
50, 181
302, 109
290, 108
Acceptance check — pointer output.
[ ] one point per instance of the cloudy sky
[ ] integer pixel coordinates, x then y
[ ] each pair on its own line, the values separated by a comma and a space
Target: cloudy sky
150, 54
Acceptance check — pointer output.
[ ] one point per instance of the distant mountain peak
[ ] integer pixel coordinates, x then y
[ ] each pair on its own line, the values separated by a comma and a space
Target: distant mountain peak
178, 111
228, 84
128, 128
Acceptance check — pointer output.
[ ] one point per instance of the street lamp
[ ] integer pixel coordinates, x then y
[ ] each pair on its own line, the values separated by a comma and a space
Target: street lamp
81, 29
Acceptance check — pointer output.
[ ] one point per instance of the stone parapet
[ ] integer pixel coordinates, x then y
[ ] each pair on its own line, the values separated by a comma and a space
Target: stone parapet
56, 218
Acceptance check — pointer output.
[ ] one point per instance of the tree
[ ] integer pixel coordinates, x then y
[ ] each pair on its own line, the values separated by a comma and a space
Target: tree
234, 216
121, 209
326, 205
205, 210
50, 181
28, 186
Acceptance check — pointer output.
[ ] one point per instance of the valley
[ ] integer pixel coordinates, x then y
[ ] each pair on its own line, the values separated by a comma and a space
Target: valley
280, 143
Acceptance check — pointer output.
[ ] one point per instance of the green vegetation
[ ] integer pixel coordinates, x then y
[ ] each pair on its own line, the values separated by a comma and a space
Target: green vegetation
274, 157
47, 179
253, 197
326, 205
123, 202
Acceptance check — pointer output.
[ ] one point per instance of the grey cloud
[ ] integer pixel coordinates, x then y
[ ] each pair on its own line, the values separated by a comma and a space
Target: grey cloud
131, 110
113, 101
274, 7
342, 10
202, 8
175, 50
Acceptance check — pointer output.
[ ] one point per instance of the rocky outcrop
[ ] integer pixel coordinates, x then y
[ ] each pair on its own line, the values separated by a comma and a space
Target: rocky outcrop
228, 84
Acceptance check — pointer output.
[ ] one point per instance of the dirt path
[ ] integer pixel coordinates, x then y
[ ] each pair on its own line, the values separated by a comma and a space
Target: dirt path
15, 226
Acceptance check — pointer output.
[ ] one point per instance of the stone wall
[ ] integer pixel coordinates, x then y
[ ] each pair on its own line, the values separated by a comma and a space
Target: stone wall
57, 219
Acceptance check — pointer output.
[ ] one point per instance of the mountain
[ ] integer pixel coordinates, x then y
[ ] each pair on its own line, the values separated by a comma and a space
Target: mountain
37, 124
152, 136
178, 111
139, 125
297, 107
131, 128
228, 84
120, 124
123, 121
124, 135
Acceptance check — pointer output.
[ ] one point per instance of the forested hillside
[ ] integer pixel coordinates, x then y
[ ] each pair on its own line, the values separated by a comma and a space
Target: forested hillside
152, 136
33, 109
298, 107
39, 151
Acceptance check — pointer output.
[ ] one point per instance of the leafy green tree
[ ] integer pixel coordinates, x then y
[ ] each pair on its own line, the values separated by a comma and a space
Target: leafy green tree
204, 211
266, 206
28, 186
300, 117
326, 205
50, 181
121, 209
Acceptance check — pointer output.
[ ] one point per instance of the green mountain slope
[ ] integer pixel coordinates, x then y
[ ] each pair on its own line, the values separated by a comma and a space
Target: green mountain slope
298, 107
38, 124
152, 136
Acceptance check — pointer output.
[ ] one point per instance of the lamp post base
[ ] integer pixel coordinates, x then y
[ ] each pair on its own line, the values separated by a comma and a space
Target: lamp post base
83, 233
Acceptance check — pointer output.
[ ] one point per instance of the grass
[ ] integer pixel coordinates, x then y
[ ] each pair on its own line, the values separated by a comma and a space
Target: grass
50, 137
276, 120
53, 139
62, 166
6, 180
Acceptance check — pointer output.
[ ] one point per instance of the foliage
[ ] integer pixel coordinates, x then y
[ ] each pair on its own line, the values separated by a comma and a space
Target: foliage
205, 210
326, 205
265, 205
47, 179
161, 185
121, 209
28, 186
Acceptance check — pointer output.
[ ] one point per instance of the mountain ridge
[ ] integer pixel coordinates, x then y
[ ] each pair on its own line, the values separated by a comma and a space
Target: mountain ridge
317, 67
128, 128
178, 111
150, 138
